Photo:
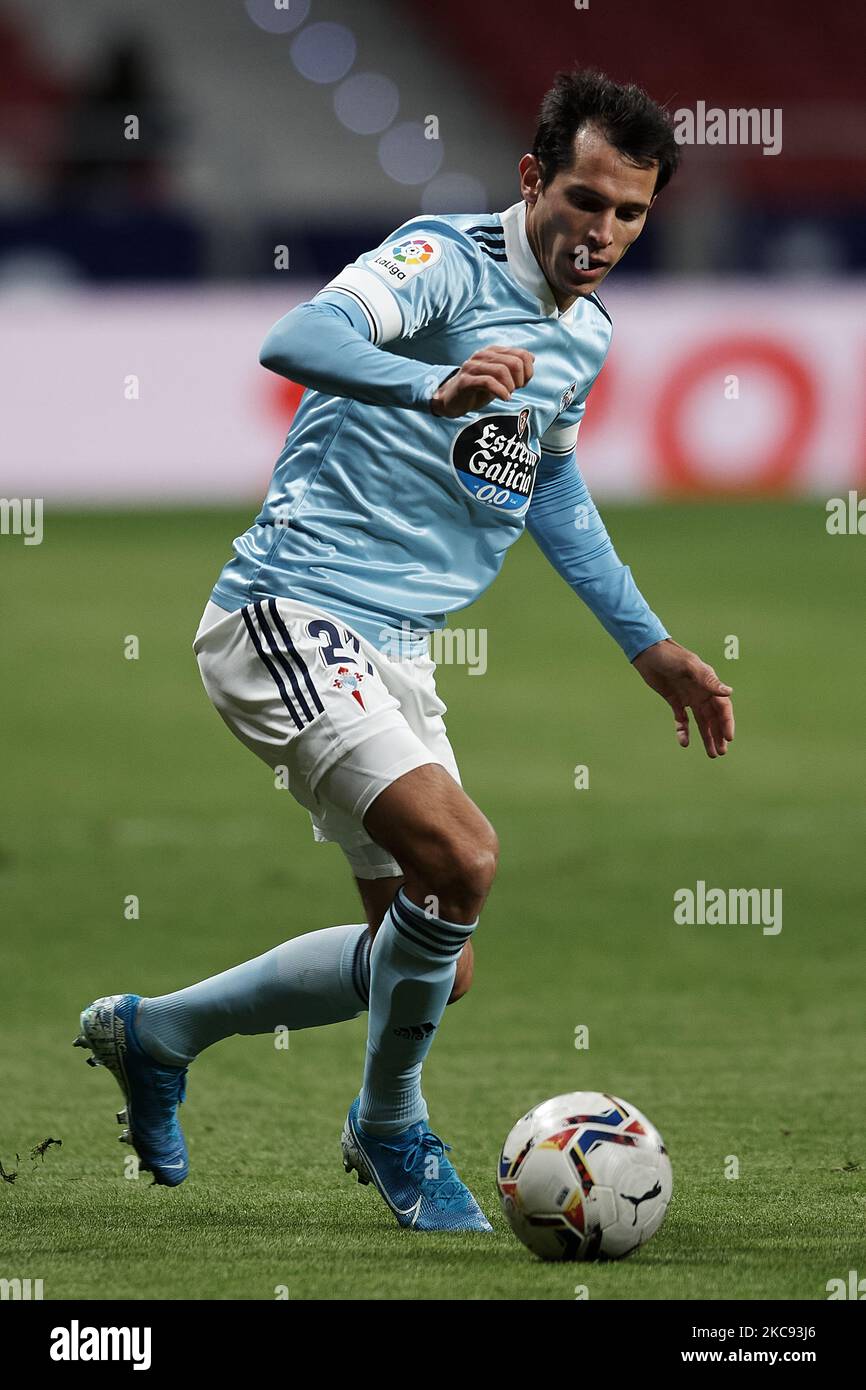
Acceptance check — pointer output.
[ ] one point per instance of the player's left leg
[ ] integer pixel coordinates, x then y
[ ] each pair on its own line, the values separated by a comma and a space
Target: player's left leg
147, 1044
319, 978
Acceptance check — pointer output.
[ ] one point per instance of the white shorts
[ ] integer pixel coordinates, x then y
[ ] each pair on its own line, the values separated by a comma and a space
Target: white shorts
321, 706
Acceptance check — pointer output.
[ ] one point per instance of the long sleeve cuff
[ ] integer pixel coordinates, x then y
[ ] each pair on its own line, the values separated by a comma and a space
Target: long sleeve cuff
623, 611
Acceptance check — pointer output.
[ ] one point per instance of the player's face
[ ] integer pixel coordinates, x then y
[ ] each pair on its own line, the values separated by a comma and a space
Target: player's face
587, 217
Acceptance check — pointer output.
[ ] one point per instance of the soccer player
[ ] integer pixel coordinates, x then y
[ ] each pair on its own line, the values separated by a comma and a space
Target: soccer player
447, 372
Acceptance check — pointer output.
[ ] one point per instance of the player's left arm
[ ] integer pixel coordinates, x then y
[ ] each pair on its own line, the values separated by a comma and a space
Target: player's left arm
566, 525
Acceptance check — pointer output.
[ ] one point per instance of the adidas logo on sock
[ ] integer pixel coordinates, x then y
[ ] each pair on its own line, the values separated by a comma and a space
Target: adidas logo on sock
417, 1031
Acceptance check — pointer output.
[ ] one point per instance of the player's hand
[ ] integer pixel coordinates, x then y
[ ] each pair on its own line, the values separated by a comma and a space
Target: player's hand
491, 374
687, 683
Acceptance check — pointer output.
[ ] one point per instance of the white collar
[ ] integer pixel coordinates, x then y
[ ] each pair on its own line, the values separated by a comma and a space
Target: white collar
523, 265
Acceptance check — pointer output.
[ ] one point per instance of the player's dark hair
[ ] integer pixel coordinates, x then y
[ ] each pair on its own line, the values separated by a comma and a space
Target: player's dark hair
628, 119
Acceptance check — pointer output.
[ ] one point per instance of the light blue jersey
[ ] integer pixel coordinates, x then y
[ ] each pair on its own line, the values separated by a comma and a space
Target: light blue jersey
391, 518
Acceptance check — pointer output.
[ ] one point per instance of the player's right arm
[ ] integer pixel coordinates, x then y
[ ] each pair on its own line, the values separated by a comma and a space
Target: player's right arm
490, 374
333, 343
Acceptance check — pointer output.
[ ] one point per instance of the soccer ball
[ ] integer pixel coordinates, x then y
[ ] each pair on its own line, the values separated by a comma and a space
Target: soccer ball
584, 1176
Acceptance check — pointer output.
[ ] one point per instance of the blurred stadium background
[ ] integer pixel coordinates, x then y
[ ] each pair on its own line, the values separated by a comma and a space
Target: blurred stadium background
303, 127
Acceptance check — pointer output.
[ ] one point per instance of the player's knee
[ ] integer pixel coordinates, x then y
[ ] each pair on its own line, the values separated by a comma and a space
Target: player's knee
483, 862
460, 871
474, 865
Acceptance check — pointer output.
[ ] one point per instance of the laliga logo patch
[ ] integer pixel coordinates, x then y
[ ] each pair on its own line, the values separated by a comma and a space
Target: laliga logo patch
406, 258
567, 397
494, 461
415, 252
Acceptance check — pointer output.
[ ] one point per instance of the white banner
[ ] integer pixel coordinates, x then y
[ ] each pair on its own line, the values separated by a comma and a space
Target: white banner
158, 397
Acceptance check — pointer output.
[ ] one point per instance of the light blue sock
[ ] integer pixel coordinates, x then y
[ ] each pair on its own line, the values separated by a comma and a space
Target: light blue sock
323, 977
412, 967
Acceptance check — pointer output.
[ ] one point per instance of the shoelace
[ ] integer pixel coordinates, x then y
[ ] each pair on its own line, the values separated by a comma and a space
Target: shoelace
428, 1144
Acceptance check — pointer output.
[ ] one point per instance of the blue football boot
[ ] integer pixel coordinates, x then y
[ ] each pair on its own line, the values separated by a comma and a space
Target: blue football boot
152, 1090
413, 1175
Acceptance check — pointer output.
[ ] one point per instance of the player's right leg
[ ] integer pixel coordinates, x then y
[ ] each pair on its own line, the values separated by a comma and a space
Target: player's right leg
447, 850
444, 843
377, 895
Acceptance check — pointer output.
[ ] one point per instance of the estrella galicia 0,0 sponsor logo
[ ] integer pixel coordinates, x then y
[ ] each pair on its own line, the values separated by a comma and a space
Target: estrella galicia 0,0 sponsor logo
494, 460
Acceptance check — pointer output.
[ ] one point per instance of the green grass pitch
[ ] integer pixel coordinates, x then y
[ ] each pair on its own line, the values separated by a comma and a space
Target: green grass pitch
120, 779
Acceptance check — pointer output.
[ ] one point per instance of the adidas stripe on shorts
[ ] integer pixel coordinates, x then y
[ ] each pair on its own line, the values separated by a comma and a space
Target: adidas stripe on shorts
320, 704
